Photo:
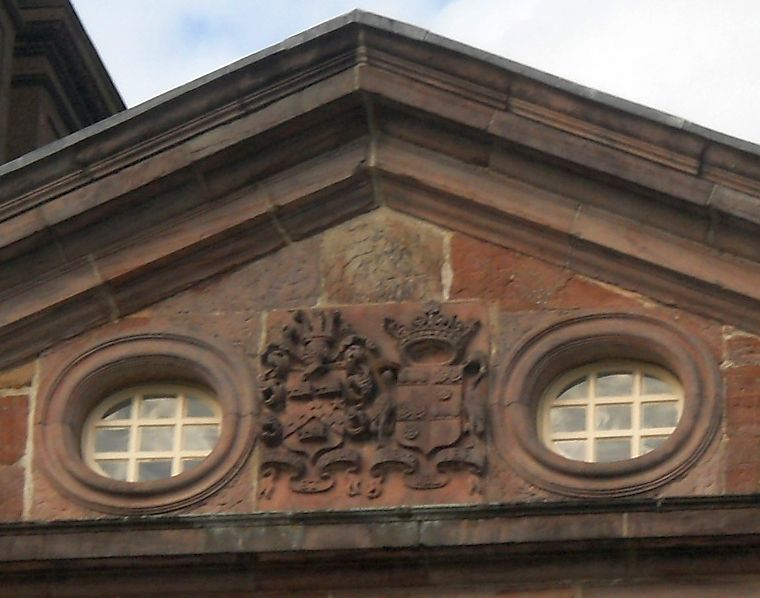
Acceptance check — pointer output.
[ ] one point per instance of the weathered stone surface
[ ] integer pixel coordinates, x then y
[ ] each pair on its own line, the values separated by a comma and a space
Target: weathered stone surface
241, 328
583, 293
521, 282
742, 348
11, 492
49, 505
13, 418
382, 256
506, 484
517, 281
17, 377
705, 478
743, 401
693, 588
405, 589
236, 496
287, 278
742, 463
230, 306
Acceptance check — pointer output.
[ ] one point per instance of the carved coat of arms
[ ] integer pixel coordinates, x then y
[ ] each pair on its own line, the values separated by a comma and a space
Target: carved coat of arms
334, 404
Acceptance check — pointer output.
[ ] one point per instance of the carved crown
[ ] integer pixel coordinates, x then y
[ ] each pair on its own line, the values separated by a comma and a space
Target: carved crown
432, 337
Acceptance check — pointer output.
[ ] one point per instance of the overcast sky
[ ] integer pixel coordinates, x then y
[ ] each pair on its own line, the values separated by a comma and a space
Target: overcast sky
697, 59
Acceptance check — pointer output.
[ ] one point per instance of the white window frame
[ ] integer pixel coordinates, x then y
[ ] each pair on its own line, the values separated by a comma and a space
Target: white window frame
136, 422
635, 433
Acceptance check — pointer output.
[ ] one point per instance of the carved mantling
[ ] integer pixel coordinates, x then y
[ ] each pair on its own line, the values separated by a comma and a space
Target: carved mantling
356, 397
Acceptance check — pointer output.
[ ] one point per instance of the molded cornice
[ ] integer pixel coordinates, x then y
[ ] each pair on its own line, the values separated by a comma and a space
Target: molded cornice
354, 114
523, 542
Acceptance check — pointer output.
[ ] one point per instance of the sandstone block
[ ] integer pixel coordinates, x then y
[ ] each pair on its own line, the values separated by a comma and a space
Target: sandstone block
522, 282
380, 257
13, 418
11, 492
287, 278
743, 479
743, 349
17, 377
519, 282
742, 382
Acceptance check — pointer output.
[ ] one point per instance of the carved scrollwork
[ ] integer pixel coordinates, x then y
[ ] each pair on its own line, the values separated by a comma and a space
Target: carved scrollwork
334, 406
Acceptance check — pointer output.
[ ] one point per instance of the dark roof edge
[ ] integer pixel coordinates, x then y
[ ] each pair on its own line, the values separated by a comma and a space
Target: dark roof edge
12, 10
411, 32
94, 59
73, 44
116, 119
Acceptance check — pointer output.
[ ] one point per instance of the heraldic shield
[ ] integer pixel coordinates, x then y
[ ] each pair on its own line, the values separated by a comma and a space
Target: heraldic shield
440, 413
429, 406
341, 409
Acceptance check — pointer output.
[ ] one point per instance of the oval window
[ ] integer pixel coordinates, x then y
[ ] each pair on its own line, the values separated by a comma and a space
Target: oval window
610, 411
151, 432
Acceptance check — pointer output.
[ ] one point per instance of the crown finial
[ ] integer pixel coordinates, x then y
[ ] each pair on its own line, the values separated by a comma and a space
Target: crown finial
432, 337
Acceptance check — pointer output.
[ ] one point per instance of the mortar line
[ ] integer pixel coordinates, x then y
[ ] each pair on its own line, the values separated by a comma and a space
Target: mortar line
28, 458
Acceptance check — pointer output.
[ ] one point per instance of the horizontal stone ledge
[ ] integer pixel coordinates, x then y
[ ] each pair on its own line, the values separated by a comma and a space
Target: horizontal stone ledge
546, 527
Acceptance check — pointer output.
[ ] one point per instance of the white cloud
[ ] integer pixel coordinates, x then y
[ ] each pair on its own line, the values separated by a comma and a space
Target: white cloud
692, 58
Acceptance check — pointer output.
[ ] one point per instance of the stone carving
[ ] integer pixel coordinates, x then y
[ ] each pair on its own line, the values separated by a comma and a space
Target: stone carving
440, 404
333, 403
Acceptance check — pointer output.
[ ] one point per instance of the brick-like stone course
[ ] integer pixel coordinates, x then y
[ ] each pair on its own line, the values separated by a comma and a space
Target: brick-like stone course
285, 279
14, 411
17, 377
520, 282
742, 376
11, 492
48, 504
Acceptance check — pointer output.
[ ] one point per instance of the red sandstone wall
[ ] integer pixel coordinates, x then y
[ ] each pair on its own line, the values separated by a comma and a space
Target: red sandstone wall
385, 257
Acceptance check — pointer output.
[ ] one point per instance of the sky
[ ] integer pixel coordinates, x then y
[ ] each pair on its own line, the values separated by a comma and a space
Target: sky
695, 59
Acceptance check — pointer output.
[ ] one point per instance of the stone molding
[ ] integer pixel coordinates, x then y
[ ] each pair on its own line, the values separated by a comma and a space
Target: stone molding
84, 373
253, 159
588, 529
581, 340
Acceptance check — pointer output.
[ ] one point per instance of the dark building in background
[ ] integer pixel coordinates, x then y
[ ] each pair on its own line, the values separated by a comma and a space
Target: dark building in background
52, 81
369, 313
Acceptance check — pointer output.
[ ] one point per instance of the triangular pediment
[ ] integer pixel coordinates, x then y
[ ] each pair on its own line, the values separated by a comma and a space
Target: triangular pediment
359, 114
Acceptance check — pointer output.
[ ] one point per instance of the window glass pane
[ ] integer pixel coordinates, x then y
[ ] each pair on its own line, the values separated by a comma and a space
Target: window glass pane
199, 437
122, 410
155, 469
151, 432
634, 408
567, 419
659, 415
612, 449
114, 468
577, 389
654, 386
572, 449
649, 443
188, 464
197, 408
613, 417
156, 438
111, 440
613, 384
158, 407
